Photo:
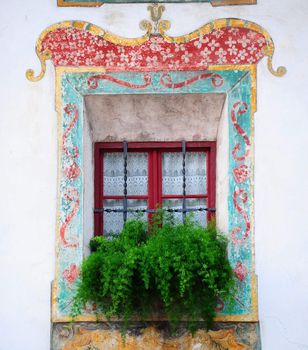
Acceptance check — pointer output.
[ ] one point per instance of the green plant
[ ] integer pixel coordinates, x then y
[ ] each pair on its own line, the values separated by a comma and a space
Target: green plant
179, 269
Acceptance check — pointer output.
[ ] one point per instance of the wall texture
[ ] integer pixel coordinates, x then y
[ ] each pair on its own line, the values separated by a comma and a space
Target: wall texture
154, 117
29, 164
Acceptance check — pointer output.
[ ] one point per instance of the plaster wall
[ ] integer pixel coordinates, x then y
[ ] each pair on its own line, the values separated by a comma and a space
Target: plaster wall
88, 171
29, 164
193, 117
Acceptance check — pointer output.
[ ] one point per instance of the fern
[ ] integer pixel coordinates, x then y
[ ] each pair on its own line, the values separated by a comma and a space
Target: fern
177, 269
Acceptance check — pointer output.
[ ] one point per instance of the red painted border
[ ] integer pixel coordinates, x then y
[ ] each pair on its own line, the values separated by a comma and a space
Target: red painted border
228, 45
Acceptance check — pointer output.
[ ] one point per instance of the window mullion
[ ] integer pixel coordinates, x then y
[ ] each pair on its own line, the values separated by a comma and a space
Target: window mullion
150, 181
125, 150
184, 179
159, 177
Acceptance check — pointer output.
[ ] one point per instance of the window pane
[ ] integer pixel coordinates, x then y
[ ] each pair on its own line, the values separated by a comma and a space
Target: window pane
137, 173
174, 204
172, 173
137, 204
195, 171
113, 222
113, 174
200, 217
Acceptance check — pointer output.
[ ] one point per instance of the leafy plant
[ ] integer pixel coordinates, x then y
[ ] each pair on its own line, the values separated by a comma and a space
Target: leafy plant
176, 269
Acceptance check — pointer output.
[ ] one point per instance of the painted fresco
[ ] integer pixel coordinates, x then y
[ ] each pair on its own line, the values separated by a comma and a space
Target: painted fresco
222, 42
234, 45
219, 57
76, 85
96, 3
102, 336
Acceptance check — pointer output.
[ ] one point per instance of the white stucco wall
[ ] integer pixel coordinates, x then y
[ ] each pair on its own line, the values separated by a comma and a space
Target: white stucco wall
28, 154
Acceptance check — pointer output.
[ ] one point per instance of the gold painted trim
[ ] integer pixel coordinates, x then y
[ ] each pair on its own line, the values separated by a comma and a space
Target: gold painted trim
58, 102
253, 316
163, 26
269, 52
43, 58
218, 24
233, 2
63, 3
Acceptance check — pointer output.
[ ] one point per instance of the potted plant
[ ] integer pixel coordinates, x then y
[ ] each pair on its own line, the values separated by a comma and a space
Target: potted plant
177, 269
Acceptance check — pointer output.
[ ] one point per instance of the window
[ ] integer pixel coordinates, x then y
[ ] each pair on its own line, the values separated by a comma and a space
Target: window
137, 177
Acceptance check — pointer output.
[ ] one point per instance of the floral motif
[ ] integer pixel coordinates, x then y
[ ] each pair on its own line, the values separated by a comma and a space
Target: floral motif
71, 273
239, 108
71, 171
237, 234
240, 271
244, 41
76, 47
241, 173
202, 40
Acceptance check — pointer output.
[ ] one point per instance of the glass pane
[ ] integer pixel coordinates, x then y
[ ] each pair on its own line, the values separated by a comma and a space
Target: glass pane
113, 174
113, 222
137, 173
195, 170
195, 165
200, 217
174, 204
172, 173
137, 204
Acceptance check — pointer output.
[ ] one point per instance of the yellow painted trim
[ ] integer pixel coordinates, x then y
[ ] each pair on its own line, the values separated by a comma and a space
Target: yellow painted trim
162, 27
233, 2
269, 51
58, 101
99, 318
252, 317
63, 3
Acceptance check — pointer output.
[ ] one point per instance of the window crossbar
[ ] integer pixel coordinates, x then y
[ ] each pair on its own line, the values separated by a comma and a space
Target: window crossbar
170, 210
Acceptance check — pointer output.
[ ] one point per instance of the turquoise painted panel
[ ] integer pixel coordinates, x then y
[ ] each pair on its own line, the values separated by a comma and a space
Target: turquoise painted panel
240, 196
70, 204
158, 82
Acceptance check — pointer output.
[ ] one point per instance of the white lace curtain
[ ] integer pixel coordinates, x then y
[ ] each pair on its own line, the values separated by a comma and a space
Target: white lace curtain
137, 173
137, 183
195, 173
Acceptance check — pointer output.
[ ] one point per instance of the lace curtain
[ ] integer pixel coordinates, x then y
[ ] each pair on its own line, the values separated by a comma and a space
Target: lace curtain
137, 173
113, 222
195, 172
137, 184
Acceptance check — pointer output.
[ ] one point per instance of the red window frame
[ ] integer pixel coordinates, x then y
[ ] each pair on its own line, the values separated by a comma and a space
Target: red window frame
154, 196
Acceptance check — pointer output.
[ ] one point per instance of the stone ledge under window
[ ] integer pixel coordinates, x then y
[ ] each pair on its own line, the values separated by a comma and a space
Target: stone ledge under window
154, 336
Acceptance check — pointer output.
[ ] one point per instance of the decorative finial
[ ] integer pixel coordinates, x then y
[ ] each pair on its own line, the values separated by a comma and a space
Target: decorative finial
157, 26
269, 52
46, 55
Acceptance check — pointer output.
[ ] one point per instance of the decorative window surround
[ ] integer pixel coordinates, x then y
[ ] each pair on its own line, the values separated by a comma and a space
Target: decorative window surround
220, 57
